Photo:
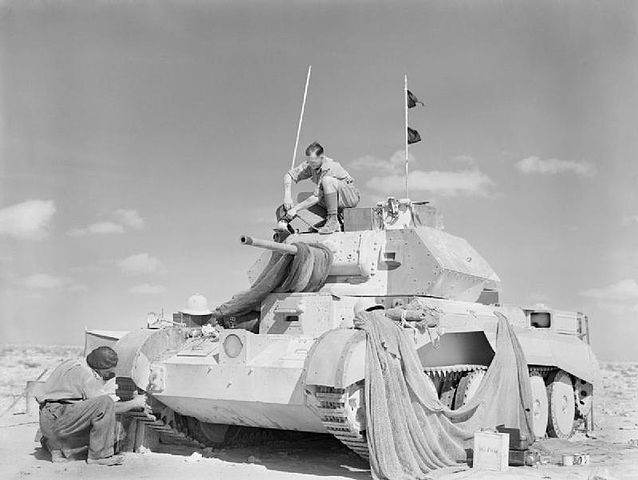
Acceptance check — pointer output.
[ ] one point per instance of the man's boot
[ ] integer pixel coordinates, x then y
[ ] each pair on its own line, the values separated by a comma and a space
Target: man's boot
332, 222
111, 461
332, 225
58, 457
56, 454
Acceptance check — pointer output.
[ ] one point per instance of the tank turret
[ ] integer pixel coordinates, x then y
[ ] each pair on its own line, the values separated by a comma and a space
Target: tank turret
395, 249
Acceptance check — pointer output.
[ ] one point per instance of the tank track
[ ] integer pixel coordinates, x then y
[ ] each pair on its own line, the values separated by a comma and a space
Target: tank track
159, 421
176, 429
341, 420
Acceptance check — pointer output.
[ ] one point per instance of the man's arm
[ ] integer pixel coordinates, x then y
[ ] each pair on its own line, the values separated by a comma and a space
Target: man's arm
138, 401
307, 203
287, 192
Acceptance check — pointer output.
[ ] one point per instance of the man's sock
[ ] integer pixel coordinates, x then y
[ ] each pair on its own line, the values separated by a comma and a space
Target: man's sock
331, 203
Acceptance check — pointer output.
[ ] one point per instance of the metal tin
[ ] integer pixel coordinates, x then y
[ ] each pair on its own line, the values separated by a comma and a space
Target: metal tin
581, 459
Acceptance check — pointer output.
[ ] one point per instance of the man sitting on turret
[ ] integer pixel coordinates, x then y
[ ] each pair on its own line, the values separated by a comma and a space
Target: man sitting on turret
335, 188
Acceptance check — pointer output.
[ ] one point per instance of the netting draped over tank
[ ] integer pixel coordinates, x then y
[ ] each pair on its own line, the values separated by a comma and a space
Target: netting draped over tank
306, 271
410, 432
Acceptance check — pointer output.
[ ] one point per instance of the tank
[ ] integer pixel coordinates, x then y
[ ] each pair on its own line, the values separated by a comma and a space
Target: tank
302, 368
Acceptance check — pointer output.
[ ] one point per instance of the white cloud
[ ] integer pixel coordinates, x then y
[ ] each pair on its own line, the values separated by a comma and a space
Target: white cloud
389, 178
624, 290
466, 159
395, 164
130, 218
99, 228
44, 281
445, 183
140, 264
553, 166
629, 220
541, 306
27, 220
147, 289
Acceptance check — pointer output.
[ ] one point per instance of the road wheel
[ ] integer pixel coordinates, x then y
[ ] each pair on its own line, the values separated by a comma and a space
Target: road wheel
562, 406
468, 386
540, 405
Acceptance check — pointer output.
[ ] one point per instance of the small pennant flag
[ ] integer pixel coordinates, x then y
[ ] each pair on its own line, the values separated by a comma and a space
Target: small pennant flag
412, 100
413, 136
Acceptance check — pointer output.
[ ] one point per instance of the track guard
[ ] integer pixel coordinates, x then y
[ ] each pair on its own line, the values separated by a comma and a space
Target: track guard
337, 359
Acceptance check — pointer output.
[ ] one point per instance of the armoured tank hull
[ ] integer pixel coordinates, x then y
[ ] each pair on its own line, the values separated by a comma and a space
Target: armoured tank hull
304, 369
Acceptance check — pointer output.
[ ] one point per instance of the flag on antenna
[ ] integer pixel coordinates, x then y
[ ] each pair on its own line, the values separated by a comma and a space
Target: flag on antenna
412, 100
413, 136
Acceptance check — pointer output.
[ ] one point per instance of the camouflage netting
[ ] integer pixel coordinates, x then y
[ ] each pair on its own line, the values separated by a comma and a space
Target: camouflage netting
410, 432
306, 271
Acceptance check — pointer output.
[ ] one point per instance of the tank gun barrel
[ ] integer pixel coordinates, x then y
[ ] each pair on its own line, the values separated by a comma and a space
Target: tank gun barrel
268, 244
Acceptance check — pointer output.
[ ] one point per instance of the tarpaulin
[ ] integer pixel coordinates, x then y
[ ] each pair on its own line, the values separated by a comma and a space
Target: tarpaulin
410, 432
306, 271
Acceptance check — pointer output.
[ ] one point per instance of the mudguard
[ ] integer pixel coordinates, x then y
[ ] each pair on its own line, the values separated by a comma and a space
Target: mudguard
139, 348
547, 348
337, 359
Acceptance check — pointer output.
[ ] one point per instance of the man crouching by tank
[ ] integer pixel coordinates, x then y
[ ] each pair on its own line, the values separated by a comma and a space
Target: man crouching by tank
74, 402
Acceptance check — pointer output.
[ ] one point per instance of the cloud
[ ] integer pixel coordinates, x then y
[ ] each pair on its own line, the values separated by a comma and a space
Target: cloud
395, 164
122, 219
466, 159
27, 220
147, 289
130, 218
44, 281
554, 166
445, 183
389, 177
629, 220
540, 306
99, 228
623, 291
140, 264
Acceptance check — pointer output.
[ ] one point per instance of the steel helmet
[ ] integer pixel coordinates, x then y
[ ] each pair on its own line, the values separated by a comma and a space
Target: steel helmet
197, 305
367, 304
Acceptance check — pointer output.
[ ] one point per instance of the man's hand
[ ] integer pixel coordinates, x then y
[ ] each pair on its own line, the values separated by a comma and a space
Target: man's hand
139, 401
290, 213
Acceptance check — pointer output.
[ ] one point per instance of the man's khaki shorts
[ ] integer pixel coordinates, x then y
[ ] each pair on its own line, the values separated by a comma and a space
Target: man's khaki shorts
348, 194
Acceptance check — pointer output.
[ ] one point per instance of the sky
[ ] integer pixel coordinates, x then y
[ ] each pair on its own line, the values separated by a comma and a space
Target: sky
140, 140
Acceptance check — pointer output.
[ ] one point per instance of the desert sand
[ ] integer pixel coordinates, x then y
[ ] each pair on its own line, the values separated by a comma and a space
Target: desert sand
613, 447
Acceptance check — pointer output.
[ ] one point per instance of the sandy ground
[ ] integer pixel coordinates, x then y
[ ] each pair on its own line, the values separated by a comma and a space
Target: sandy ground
613, 447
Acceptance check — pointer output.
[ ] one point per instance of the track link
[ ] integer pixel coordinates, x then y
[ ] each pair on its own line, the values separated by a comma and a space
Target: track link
339, 415
160, 420
342, 410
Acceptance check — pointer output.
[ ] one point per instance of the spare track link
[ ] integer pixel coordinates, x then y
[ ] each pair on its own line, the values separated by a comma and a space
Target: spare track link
333, 410
168, 433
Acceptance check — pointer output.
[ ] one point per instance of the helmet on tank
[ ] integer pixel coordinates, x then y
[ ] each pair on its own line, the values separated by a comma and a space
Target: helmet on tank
197, 305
